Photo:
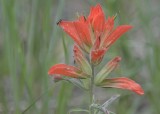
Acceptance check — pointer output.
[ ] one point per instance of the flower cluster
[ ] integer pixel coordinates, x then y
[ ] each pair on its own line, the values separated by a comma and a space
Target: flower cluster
93, 36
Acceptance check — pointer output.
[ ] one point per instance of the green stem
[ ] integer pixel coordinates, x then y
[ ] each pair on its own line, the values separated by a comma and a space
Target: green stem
92, 87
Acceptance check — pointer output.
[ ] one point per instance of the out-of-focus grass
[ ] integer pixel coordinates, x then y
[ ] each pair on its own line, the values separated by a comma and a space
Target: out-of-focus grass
29, 47
30, 42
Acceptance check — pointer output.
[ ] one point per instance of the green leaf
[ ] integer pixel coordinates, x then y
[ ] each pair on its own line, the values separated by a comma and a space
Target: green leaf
108, 102
79, 83
97, 108
78, 110
111, 65
81, 60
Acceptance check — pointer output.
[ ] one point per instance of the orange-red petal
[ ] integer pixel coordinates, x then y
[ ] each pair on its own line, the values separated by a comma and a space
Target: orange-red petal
94, 11
109, 25
97, 55
97, 20
123, 83
69, 28
119, 31
82, 29
66, 70
98, 24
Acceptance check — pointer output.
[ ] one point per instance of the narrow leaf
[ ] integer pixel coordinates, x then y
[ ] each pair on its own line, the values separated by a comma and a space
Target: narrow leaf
111, 65
78, 110
108, 102
81, 60
78, 83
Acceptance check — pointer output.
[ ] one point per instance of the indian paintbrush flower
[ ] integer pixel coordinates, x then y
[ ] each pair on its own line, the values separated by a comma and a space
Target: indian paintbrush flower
93, 36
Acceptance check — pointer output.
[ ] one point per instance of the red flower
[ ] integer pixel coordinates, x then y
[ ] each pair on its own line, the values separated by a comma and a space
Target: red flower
94, 34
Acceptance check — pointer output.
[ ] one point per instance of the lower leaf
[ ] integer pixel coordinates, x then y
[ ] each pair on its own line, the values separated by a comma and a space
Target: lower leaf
78, 110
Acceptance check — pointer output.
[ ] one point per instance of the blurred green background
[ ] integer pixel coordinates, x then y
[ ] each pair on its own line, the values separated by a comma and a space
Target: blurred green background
31, 42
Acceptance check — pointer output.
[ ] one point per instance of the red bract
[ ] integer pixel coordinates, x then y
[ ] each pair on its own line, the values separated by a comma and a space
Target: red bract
94, 34
79, 31
97, 55
123, 83
66, 70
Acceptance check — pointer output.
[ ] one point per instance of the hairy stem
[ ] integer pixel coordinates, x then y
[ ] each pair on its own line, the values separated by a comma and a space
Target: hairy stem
92, 87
